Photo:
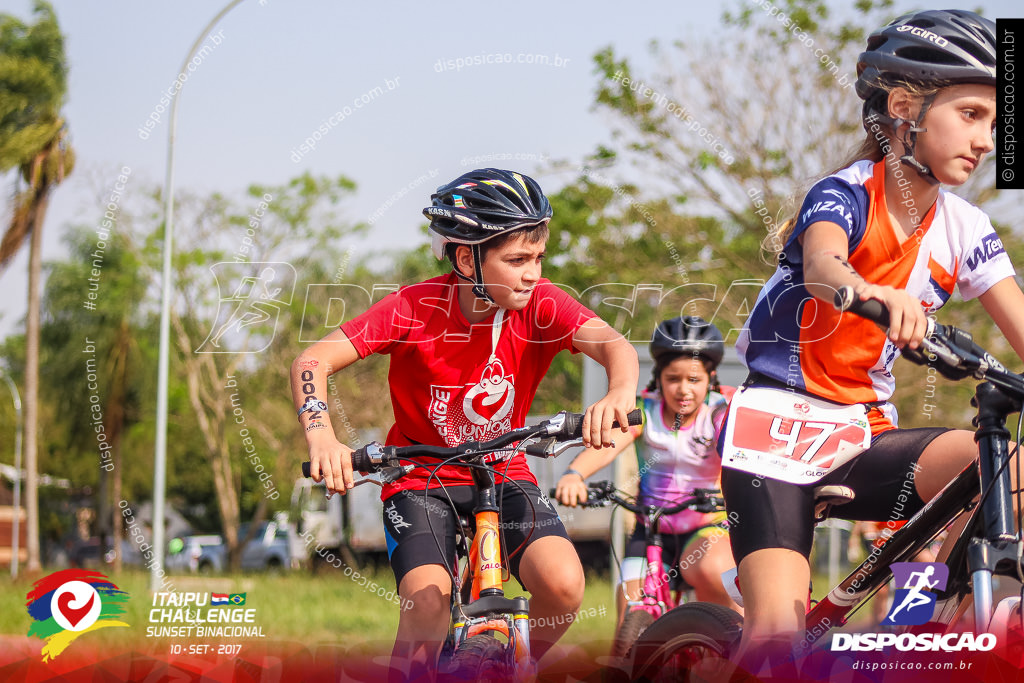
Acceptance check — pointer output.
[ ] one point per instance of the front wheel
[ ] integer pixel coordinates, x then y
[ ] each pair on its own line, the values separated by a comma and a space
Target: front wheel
633, 626
480, 658
691, 642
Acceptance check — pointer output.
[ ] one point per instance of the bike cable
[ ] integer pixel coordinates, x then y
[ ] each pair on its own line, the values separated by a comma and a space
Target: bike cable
454, 460
506, 570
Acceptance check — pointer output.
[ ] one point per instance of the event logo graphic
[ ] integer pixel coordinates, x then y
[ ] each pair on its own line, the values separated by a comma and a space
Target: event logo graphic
72, 602
914, 602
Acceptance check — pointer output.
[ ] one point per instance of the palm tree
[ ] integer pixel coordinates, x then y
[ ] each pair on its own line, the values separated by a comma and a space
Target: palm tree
33, 140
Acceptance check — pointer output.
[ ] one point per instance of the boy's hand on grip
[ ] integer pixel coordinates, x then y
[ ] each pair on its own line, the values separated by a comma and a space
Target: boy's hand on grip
598, 418
330, 461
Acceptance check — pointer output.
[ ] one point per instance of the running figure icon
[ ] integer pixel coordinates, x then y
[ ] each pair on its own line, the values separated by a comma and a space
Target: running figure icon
914, 603
252, 308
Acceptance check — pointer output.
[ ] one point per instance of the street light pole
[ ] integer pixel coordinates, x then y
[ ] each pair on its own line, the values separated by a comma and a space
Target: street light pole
160, 456
15, 549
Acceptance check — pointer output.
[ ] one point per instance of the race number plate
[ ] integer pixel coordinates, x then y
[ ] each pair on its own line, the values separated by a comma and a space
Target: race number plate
791, 437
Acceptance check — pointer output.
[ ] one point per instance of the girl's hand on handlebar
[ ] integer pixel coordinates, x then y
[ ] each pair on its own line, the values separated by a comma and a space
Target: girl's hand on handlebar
330, 461
598, 418
571, 490
907, 319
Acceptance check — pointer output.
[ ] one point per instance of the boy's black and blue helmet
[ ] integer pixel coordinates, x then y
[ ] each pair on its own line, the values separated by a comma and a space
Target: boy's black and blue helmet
485, 203
481, 205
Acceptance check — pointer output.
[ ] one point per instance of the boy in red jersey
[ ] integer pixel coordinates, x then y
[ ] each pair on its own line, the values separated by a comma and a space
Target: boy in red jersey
468, 350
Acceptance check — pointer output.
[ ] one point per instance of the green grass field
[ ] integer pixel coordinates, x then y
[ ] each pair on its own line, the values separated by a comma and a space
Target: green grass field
297, 606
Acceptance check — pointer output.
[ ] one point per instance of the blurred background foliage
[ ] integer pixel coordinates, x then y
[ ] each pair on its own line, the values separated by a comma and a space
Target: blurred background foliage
666, 217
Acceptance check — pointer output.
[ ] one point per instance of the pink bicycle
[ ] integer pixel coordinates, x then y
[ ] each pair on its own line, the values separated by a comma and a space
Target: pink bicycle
661, 590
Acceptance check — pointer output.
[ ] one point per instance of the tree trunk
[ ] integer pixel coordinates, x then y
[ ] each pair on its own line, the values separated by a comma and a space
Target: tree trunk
211, 405
35, 269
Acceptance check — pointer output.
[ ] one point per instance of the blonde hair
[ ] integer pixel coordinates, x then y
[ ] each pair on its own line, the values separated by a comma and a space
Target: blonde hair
870, 149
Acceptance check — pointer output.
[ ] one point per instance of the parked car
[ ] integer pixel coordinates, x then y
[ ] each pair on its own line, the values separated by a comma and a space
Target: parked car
202, 553
267, 550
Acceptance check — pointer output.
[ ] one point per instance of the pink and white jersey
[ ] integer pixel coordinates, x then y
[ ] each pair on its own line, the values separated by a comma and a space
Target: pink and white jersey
674, 462
806, 344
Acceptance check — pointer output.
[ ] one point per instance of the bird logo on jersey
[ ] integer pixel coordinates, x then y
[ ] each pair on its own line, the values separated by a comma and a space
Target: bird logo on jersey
491, 398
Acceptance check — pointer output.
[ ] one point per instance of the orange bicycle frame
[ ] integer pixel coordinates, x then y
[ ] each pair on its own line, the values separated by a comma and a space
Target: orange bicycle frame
485, 567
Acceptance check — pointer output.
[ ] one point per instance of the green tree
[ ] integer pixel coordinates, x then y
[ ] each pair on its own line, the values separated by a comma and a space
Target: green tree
33, 140
234, 287
96, 358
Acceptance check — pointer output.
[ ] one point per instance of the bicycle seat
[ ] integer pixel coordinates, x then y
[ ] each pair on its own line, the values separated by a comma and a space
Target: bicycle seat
827, 496
833, 495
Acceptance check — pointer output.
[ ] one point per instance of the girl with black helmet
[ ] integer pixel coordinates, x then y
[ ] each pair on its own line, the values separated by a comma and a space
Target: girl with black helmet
468, 350
675, 449
883, 226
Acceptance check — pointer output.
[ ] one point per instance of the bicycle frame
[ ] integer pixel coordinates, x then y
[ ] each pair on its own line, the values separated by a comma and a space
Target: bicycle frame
656, 594
987, 547
488, 610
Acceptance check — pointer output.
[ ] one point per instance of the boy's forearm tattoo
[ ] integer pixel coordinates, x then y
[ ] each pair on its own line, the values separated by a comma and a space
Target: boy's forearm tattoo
308, 389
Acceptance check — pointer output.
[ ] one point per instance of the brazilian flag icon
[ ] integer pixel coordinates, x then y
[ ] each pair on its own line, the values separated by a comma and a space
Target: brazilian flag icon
237, 599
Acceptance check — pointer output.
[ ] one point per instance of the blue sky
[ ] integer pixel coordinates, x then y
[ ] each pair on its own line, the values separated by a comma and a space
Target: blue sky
282, 68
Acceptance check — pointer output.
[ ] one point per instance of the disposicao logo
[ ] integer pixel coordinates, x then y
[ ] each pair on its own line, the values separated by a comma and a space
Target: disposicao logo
69, 603
914, 602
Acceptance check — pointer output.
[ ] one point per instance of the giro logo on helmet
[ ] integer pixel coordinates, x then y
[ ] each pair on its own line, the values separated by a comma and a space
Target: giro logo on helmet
923, 33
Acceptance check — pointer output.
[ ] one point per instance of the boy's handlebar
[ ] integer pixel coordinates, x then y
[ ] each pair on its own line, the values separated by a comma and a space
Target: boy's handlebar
562, 427
950, 350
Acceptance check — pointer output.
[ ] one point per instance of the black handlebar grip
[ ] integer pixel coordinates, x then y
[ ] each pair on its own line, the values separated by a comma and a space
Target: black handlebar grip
634, 418
872, 309
360, 463
574, 422
573, 425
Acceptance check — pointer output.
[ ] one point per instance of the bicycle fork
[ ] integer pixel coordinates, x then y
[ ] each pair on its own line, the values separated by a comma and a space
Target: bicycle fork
998, 549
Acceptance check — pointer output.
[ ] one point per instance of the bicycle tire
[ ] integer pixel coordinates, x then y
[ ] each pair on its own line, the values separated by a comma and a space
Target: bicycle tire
481, 658
682, 637
632, 627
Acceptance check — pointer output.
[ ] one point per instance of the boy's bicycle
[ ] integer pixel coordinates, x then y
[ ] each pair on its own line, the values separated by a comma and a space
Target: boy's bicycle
988, 546
656, 596
489, 634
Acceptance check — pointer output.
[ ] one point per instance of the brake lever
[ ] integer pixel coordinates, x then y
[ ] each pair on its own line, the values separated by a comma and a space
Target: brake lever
385, 476
546, 447
564, 446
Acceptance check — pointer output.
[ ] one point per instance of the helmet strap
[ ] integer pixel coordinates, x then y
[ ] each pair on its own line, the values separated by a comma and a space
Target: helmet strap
909, 141
478, 280
478, 284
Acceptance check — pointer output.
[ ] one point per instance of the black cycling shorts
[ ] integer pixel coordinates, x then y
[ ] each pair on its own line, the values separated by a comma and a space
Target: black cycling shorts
768, 513
412, 542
